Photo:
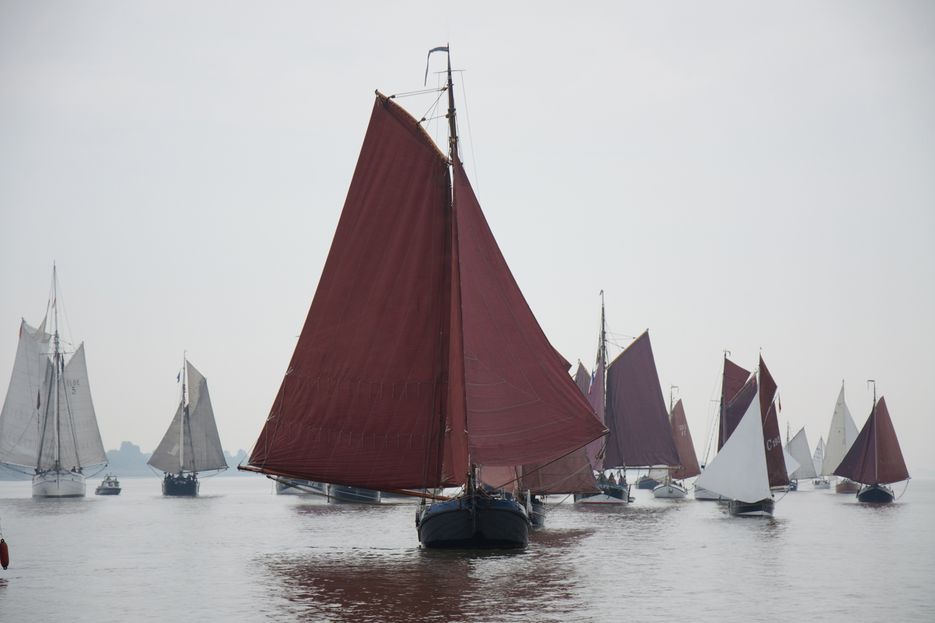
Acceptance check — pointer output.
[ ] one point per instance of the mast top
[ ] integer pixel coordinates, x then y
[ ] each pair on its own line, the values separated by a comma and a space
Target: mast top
452, 125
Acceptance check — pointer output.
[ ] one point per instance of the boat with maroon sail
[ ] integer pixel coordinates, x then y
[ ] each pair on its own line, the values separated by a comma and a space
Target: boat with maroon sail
420, 361
687, 467
875, 459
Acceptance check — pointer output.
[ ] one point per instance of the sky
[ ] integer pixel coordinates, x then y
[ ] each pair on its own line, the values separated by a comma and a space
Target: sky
751, 177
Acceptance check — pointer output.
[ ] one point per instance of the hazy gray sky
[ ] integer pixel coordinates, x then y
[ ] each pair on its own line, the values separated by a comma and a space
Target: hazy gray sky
734, 175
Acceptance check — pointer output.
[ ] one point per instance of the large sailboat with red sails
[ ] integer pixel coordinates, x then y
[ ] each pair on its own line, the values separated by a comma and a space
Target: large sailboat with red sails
420, 361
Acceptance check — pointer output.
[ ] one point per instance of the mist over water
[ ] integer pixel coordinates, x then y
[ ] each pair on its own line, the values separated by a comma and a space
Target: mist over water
240, 553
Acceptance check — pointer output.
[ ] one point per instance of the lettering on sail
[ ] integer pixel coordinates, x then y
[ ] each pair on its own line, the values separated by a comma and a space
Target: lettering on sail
775, 442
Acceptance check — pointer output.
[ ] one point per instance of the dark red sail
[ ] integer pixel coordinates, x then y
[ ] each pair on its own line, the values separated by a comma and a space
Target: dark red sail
636, 413
688, 461
582, 378
522, 406
737, 391
875, 457
364, 398
772, 439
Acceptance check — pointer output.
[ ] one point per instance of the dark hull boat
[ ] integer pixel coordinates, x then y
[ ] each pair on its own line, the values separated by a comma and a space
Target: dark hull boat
180, 485
608, 494
846, 486
876, 494
762, 508
475, 521
647, 482
109, 486
420, 359
353, 495
875, 459
191, 444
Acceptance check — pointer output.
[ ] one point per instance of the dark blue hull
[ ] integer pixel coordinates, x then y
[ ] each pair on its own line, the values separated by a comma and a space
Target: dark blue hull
876, 494
537, 515
645, 482
342, 493
474, 522
176, 484
763, 508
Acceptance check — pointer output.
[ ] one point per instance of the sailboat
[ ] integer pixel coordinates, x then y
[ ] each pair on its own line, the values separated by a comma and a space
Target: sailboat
750, 465
875, 458
738, 388
688, 463
420, 360
820, 482
841, 437
797, 447
191, 445
48, 425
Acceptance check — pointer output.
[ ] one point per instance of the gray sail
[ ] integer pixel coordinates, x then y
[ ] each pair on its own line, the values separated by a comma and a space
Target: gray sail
26, 398
198, 432
798, 448
79, 422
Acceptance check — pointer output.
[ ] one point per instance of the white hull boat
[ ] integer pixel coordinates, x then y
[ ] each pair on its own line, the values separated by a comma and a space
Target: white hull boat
57, 484
671, 491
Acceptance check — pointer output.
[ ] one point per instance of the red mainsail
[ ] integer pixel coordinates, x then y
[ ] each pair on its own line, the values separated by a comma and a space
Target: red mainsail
636, 413
736, 395
772, 439
417, 334
688, 461
875, 457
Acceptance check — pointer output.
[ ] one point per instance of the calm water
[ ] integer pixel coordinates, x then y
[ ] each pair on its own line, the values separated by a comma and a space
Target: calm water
240, 553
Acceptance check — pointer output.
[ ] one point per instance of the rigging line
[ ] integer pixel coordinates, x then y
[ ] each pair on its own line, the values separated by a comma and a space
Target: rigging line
905, 488
419, 92
467, 116
432, 107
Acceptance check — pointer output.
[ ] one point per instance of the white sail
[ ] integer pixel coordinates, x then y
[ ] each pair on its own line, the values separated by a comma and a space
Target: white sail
27, 395
202, 450
798, 448
791, 463
819, 455
738, 471
842, 434
79, 422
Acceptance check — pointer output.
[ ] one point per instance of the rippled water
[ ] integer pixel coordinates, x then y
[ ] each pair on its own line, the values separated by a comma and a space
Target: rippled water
240, 553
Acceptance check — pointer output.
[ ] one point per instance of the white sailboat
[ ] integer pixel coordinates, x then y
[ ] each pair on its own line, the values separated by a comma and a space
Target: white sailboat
48, 426
841, 437
820, 482
739, 471
801, 466
191, 445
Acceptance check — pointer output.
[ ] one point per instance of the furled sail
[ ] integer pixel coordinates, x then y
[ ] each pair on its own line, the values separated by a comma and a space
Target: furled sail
80, 437
841, 436
202, 450
875, 457
772, 438
640, 434
596, 397
688, 462
738, 387
27, 396
798, 449
419, 354
738, 471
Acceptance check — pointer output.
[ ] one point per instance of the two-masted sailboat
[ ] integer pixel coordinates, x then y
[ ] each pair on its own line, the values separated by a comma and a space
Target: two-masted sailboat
750, 463
420, 360
48, 425
875, 458
191, 445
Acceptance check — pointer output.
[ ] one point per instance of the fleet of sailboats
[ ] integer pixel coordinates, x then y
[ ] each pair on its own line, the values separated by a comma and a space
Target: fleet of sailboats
433, 374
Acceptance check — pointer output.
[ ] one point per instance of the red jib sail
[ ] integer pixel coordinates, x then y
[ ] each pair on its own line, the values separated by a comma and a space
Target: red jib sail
875, 456
688, 462
416, 335
636, 412
736, 395
772, 439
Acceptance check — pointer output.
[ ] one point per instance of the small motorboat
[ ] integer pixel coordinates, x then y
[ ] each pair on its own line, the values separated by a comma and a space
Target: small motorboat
109, 486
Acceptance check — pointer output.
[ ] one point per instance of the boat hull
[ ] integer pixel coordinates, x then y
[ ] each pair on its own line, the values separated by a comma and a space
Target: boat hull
610, 494
846, 486
537, 514
58, 484
670, 491
473, 522
354, 495
646, 482
300, 487
705, 494
182, 486
762, 508
821, 483
876, 494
